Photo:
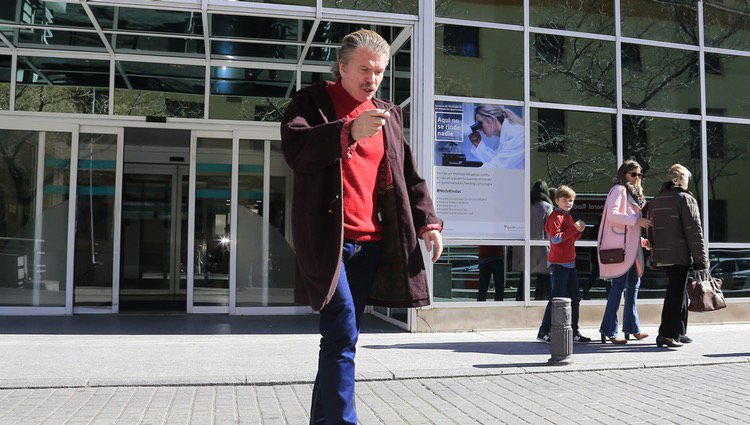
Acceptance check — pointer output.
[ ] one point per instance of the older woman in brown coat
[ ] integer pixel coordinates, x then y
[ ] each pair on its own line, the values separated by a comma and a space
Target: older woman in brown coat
677, 239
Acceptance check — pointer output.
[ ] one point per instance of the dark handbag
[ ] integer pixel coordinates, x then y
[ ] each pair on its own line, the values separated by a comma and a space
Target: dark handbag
612, 256
704, 293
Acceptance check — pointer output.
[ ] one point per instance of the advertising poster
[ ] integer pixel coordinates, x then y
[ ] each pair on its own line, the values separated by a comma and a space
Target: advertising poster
479, 168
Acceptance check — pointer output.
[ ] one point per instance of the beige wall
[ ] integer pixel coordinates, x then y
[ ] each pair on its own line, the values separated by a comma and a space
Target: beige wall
457, 319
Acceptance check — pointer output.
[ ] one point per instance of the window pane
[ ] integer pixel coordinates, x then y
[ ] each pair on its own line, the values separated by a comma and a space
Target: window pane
509, 12
478, 62
727, 91
5, 64
402, 6
469, 273
184, 47
659, 79
213, 186
733, 267
56, 39
594, 287
280, 251
148, 20
165, 90
250, 94
252, 280
572, 70
728, 199
594, 16
577, 149
62, 85
257, 27
671, 20
725, 23
97, 155
34, 195
44, 13
657, 143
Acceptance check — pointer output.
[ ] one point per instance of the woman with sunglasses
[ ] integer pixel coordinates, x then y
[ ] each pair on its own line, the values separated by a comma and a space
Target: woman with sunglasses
620, 228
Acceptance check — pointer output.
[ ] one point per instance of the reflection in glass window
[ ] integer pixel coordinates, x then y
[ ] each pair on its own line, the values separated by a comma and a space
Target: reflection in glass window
657, 143
726, 85
213, 185
250, 94
576, 149
496, 74
51, 39
44, 13
399, 6
662, 79
164, 90
479, 273
728, 198
672, 20
97, 155
732, 266
332, 32
461, 41
595, 16
148, 20
258, 27
506, 12
62, 85
34, 200
725, 23
5, 63
573, 70
129, 43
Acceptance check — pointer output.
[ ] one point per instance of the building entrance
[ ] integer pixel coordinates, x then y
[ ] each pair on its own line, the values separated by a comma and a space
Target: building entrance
154, 236
154, 223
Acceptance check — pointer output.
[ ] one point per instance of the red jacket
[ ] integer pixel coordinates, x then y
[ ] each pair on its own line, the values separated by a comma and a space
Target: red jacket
563, 236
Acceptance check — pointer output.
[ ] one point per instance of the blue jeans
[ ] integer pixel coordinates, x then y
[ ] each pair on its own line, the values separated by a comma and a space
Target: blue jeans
564, 284
333, 392
630, 282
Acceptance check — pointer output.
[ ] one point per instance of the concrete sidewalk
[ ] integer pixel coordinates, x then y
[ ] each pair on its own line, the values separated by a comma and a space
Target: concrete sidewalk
221, 350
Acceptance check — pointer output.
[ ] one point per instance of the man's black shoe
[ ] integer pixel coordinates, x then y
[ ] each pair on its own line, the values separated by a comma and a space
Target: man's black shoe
685, 339
580, 338
543, 338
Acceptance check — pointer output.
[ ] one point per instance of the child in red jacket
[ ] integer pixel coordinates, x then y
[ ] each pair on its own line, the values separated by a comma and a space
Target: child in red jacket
564, 233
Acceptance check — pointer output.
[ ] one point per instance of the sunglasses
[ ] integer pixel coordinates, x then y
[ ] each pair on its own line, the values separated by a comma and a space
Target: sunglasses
633, 174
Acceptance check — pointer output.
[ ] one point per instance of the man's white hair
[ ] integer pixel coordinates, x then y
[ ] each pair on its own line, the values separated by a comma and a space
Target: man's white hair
370, 40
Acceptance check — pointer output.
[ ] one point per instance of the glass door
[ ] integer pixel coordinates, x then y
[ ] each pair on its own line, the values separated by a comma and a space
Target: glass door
97, 222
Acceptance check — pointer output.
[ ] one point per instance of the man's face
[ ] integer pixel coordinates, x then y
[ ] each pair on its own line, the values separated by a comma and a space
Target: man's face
564, 203
362, 74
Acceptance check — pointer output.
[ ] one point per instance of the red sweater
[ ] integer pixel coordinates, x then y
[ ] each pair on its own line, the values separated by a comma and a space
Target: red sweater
563, 235
359, 170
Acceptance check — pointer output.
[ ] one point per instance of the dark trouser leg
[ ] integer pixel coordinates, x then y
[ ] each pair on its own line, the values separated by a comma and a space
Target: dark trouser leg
498, 275
684, 310
542, 286
574, 292
485, 272
674, 302
560, 276
333, 393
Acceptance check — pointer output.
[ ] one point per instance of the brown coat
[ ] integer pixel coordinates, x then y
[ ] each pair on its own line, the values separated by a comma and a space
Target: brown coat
677, 234
311, 143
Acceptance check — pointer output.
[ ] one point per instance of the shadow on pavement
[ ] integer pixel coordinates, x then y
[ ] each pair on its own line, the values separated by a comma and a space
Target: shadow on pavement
727, 355
177, 324
519, 348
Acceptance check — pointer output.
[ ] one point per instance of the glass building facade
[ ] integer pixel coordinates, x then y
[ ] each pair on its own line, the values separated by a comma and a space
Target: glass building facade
142, 168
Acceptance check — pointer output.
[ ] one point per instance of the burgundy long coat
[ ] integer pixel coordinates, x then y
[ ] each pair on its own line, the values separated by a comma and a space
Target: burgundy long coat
311, 143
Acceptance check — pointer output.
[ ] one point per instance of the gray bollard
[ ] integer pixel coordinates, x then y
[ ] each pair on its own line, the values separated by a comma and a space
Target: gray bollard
561, 333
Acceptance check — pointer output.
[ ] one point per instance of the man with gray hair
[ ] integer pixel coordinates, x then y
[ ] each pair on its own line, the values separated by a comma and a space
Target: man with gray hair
358, 209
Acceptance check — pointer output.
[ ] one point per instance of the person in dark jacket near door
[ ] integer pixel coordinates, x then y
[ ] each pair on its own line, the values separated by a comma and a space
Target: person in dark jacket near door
359, 206
677, 243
